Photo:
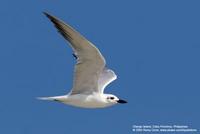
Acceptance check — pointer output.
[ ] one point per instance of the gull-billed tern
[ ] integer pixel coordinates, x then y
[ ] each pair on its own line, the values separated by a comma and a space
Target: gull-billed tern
90, 74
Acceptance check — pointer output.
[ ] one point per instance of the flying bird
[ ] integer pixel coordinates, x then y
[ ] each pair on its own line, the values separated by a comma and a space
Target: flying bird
90, 74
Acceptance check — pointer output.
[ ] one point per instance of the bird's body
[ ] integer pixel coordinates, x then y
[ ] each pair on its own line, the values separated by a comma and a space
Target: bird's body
90, 77
94, 100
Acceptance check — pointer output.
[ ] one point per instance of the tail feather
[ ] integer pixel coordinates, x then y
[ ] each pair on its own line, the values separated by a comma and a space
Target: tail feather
47, 98
53, 98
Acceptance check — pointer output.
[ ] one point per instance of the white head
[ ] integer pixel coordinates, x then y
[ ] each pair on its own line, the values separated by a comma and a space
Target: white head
112, 99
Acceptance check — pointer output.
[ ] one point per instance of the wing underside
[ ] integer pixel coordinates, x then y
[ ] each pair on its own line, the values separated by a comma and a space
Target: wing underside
90, 62
105, 78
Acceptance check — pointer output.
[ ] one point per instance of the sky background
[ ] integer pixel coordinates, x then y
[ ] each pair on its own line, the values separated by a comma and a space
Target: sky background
152, 45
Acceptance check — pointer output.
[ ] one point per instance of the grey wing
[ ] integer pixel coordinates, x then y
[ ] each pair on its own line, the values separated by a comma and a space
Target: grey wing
105, 78
90, 62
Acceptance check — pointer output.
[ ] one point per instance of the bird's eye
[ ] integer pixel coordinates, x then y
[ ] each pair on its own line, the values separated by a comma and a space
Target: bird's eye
112, 98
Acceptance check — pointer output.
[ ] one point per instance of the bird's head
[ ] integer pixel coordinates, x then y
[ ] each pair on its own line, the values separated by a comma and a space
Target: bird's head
113, 99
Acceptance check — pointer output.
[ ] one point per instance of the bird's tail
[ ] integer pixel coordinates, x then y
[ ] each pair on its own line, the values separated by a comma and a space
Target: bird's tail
54, 98
46, 98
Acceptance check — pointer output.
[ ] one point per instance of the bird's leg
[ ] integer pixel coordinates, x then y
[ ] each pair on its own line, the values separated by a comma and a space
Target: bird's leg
56, 100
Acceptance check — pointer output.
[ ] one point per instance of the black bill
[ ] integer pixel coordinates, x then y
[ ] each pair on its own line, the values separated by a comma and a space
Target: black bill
122, 101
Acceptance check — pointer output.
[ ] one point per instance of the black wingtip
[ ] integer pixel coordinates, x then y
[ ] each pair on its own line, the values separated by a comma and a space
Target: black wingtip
51, 17
47, 15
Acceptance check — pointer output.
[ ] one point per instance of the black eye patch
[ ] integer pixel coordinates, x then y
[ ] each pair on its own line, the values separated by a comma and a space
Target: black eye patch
112, 98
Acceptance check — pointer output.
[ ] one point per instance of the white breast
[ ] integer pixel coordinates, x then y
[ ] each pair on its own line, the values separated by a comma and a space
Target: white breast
86, 101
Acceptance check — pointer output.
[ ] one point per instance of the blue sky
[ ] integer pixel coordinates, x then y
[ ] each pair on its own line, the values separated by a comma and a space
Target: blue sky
153, 46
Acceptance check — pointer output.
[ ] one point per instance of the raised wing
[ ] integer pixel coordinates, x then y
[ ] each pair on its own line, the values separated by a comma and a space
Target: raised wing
105, 78
90, 62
